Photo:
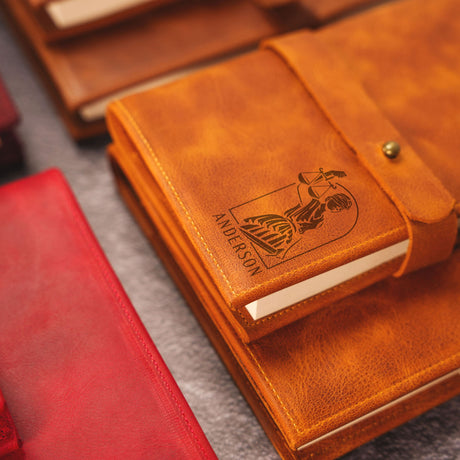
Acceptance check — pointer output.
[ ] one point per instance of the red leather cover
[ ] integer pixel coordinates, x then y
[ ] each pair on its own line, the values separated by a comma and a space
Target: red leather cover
9, 441
80, 373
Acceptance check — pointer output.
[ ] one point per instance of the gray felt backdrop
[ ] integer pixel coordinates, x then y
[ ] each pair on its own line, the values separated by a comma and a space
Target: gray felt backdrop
226, 419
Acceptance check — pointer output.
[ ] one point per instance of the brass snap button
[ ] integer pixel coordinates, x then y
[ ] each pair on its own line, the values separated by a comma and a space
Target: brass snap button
391, 149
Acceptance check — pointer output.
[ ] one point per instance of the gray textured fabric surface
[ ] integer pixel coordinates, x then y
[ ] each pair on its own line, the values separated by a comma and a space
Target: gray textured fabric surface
223, 413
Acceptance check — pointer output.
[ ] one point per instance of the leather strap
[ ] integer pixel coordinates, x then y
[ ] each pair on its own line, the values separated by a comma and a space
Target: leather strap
426, 206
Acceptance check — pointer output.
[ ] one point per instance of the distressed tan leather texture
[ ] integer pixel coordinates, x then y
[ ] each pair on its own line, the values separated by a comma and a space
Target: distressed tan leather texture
250, 126
359, 355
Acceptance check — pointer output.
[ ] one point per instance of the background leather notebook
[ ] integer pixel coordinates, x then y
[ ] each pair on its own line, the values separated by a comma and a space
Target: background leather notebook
276, 185
164, 43
79, 372
61, 19
85, 73
10, 147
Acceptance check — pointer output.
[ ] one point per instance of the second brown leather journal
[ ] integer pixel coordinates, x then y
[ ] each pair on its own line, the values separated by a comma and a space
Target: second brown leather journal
82, 72
170, 38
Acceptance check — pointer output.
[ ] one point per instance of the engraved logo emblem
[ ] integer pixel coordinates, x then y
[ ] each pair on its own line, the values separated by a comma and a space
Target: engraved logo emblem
295, 219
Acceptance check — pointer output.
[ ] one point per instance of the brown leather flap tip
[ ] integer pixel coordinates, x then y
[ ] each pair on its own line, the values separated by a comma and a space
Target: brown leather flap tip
425, 204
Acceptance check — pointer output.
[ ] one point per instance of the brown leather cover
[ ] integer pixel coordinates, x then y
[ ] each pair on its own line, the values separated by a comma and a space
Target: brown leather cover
343, 375
249, 127
51, 33
159, 42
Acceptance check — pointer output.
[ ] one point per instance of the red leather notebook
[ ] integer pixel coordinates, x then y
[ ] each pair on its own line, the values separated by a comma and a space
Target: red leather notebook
78, 370
10, 148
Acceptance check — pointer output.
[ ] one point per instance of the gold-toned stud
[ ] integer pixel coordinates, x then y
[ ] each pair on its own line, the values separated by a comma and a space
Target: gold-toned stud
391, 149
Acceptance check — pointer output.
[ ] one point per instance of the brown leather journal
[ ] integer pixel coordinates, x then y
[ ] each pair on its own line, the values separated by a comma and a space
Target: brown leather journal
84, 73
253, 136
270, 172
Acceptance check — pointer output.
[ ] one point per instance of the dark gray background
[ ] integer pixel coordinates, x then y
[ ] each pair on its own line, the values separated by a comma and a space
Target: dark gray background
226, 419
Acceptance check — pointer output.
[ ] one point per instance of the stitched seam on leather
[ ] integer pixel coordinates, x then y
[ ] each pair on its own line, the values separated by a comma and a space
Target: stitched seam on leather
310, 299
115, 291
172, 188
208, 250
348, 409
274, 391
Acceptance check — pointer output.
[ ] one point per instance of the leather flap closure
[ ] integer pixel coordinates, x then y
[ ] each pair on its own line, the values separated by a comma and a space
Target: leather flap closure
425, 204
